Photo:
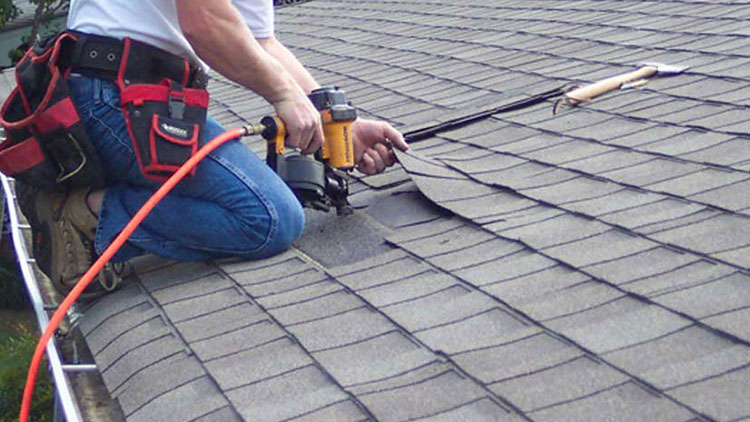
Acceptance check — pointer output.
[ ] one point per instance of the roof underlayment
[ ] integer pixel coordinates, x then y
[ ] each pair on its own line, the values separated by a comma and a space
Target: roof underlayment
587, 266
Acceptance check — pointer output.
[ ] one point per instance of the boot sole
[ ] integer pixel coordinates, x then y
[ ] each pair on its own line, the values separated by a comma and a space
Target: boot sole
40, 232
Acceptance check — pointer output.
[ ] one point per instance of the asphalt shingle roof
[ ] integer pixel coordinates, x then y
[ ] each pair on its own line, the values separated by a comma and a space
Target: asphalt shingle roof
585, 266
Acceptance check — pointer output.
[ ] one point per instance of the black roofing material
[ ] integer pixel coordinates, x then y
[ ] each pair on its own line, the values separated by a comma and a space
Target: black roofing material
525, 267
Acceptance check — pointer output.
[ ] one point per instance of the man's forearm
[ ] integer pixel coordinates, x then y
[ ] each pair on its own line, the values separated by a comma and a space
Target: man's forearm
221, 38
290, 62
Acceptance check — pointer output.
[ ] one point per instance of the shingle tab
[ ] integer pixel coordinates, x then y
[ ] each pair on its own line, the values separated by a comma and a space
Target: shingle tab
627, 402
568, 381
634, 322
374, 359
680, 358
289, 395
436, 395
722, 397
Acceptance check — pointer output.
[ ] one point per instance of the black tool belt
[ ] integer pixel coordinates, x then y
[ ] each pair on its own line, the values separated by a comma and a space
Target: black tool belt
163, 99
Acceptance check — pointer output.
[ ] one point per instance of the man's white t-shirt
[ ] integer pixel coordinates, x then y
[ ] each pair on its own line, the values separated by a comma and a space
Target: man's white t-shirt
155, 21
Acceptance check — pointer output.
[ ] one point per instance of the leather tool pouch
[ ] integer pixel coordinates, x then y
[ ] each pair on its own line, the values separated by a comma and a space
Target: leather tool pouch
46, 144
165, 117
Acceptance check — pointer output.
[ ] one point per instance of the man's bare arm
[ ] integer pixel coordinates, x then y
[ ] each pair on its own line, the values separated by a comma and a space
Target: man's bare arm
221, 38
279, 51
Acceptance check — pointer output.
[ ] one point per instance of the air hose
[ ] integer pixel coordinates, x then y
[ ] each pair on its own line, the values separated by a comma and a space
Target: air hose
116, 244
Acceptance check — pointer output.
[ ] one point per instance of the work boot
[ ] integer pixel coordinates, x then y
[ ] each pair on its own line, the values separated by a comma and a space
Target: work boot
63, 229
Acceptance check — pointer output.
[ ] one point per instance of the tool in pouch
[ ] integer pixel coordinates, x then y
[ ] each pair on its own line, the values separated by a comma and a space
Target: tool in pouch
46, 143
317, 182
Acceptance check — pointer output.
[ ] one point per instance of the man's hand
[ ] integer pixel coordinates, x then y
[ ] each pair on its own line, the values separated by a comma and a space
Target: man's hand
303, 125
372, 145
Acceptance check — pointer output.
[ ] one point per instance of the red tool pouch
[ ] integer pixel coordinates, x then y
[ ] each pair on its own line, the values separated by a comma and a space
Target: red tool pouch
165, 117
46, 143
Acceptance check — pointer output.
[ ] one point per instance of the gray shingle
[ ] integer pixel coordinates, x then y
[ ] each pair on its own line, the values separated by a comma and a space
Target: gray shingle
305, 278
196, 399
652, 212
110, 329
303, 294
683, 357
344, 411
432, 396
420, 285
257, 364
110, 305
607, 246
733, 197
238, 340
203, 305
323, 306
522, 357
512, 266
649, 263
175, 274
633, 321
482, 410
537, 284
485, 329
220, 322
569, 300
342, 329
558, 230
149, 331
732, 322
157, 380
568, 381
627, 402
722, 397
140, 358
286, 396
374, 359
383, 274
442, 307
716, 297
184, 291
455, 240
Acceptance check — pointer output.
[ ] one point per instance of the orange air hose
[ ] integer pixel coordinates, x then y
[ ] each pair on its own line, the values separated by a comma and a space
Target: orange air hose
116, 244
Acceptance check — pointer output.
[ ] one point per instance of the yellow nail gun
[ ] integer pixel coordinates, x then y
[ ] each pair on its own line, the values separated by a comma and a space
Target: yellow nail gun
317, 182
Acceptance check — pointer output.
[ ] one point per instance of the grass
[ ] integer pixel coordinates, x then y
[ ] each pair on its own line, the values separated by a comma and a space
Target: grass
18, 338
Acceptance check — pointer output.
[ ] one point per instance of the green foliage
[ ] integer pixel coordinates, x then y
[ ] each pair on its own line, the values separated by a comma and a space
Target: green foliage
8, 11
15, 355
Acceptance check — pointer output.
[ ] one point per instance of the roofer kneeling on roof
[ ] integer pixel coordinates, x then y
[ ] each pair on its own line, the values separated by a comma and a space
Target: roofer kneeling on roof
134, 109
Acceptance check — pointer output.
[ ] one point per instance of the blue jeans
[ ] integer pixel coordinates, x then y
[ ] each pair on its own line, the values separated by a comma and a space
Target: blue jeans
235, 205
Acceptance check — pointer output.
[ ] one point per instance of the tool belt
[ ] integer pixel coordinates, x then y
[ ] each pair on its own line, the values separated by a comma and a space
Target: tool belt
163, 99
46, 143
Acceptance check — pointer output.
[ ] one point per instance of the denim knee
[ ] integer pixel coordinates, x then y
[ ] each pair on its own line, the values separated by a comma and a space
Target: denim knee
289, 224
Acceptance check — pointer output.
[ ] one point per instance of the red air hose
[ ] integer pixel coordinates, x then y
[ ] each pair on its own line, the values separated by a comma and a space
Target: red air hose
28, 391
